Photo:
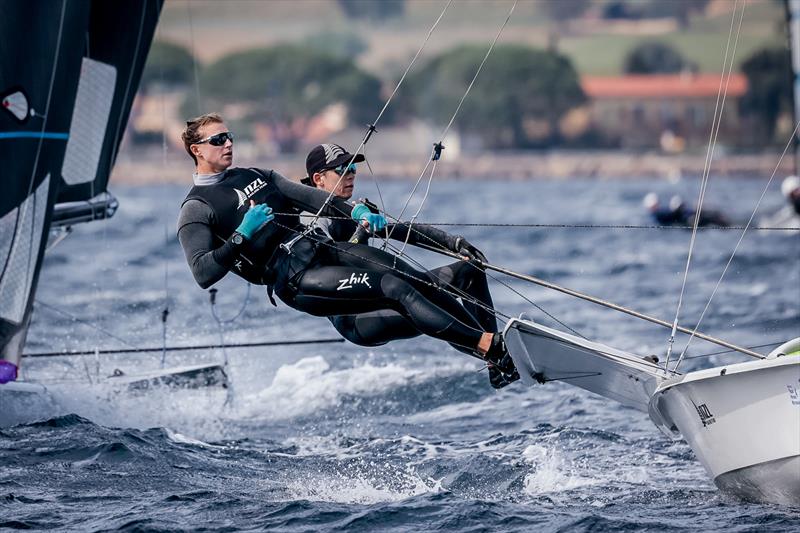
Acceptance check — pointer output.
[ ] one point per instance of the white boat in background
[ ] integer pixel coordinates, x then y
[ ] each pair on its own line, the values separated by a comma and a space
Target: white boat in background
741, 420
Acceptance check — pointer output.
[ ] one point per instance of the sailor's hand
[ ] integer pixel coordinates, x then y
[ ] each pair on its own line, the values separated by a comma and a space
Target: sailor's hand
361, 213
255, 219
465, 248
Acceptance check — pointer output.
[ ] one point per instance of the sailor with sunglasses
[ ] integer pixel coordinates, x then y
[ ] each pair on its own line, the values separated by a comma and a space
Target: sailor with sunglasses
246, 221
333, 169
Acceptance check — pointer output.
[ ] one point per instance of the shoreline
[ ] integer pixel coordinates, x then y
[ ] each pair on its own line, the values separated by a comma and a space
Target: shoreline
506, 166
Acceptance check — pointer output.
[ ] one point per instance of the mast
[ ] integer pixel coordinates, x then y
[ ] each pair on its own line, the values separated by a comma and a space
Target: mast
793, 23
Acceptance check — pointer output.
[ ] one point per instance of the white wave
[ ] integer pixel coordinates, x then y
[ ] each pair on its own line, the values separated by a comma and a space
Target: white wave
180, 438
193, 412
362, 483
310, 385
551, 472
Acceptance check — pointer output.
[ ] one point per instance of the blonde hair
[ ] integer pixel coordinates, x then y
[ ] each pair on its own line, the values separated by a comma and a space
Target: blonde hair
191, 134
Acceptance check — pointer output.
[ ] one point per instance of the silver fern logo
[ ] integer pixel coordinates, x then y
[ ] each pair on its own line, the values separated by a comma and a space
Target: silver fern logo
332, 151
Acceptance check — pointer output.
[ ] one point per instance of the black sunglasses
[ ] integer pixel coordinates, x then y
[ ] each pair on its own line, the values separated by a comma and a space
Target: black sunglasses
218, 139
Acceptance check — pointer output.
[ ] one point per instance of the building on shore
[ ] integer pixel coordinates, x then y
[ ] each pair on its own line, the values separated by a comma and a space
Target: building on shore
669, 111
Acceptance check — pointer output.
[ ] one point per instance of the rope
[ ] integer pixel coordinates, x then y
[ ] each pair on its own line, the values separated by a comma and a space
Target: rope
568, 226
165, 311
371, 128
736, 248
439, 145
731, 351
32, 255
194, 57
453, 291
186, 348
84, 322
718, 110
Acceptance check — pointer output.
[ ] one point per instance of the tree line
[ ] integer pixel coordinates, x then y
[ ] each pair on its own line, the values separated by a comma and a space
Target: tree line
518, 101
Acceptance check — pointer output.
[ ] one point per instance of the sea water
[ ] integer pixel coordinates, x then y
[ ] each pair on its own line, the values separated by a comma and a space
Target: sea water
408, 436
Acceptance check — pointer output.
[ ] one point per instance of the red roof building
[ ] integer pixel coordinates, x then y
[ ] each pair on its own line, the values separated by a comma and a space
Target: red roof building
670, 111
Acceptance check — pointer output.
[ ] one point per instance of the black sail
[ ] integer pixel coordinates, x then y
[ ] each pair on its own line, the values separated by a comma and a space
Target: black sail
69, 71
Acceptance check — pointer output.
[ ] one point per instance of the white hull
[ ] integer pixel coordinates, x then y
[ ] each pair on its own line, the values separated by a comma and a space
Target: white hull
742, 421
18, 399
743, 424
23, 402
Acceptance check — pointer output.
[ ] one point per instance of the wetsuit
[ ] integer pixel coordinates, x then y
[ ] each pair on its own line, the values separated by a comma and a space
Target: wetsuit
681, 216
319, 276
794, 200
380, 327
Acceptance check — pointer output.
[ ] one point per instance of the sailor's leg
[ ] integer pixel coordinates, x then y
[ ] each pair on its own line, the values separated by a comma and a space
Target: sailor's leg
467, 277
371, 258
375, 328
339, 290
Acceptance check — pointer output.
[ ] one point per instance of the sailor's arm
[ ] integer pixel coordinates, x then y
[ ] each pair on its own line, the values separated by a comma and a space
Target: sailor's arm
432, 237
207, 263
311, 199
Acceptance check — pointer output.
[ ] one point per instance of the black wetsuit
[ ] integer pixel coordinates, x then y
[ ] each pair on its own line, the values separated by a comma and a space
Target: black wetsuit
681, 216
794, 200
379, 327
319, 276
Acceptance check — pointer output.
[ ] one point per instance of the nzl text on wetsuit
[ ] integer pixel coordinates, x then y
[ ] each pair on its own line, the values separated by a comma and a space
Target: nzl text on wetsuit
380, 327
319, 276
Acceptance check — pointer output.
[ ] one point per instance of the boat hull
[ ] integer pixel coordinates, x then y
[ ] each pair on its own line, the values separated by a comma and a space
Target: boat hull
743, 423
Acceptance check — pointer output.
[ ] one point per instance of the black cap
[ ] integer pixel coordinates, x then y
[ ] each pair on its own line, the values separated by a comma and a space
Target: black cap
325, 157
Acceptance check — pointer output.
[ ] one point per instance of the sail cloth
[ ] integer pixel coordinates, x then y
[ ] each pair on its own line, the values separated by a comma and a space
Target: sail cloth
68, 75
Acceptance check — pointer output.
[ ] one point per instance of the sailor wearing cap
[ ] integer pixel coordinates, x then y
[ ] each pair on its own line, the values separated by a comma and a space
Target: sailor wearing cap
333, 169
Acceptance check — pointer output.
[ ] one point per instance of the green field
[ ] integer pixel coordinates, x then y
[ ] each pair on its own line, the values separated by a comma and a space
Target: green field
595, 48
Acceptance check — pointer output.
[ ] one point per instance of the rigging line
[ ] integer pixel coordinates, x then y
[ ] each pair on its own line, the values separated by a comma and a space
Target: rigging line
777, 343
213, 299
374, 181
718, 110
421, 205
80, 320
428, 283
186, 348
518, 293
194, 57
413, 60
165, 311
458, 107
738, 243
568, 226
468, 297
117, 137
371, 128
619, 308
442, 251
454, 291
23, 214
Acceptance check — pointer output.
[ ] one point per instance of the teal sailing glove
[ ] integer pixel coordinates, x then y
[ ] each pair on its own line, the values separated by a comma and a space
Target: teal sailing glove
255, 219
361, 213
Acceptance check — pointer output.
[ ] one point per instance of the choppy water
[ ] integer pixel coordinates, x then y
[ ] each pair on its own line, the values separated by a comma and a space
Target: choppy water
404, 437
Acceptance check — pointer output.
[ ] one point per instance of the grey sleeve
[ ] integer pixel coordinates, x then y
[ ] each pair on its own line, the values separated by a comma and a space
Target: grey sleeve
311, 199
209, 257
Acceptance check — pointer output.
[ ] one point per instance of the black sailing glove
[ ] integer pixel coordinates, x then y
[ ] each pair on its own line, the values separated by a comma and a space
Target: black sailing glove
465, 248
